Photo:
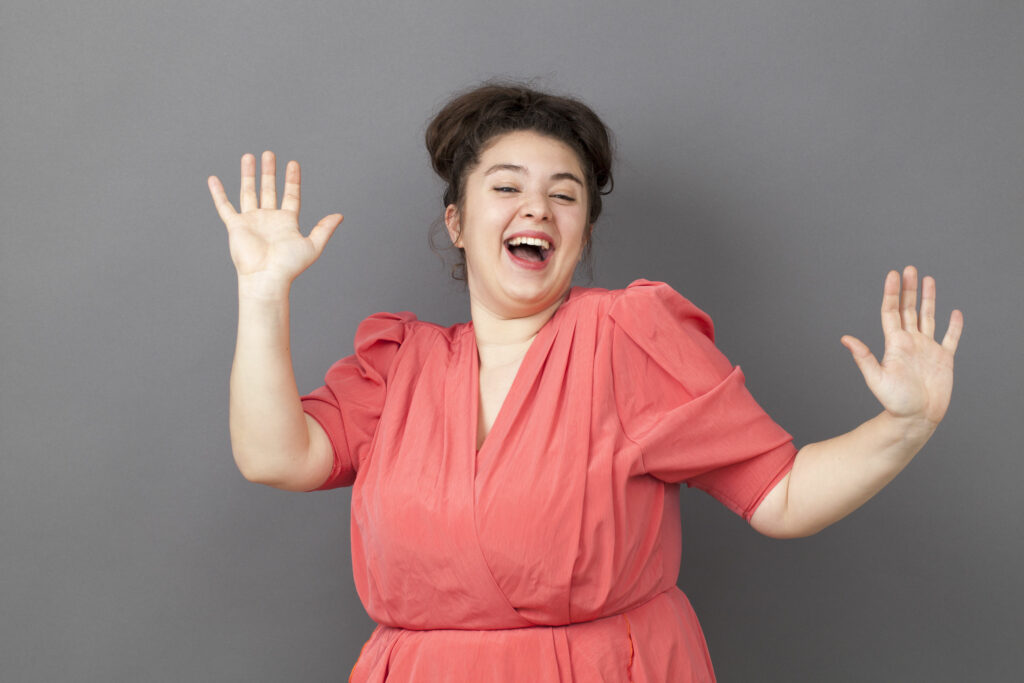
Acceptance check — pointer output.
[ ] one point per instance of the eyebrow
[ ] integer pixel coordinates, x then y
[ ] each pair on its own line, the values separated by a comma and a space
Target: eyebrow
565, 175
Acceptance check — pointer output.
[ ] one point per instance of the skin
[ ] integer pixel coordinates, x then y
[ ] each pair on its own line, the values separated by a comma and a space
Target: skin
520, 183
913, 382
523, 181
276, 444
273, 441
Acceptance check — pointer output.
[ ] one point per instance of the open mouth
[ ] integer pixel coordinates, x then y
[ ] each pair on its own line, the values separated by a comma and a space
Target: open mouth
531, 249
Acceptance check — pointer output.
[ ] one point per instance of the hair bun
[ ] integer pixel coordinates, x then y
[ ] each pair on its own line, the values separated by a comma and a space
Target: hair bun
460, 132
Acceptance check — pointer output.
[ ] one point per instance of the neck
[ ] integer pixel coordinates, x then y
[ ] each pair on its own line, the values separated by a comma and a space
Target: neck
501, 340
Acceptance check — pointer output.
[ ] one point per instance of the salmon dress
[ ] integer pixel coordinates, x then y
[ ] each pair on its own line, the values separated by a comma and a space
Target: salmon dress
552, 553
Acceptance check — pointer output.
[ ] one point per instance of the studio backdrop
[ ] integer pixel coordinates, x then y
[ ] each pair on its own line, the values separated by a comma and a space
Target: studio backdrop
775, 159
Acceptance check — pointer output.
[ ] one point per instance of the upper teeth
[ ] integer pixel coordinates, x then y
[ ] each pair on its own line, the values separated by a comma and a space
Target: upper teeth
533, 241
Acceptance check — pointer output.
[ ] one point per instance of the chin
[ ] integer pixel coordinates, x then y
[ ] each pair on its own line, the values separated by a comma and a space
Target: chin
536, 296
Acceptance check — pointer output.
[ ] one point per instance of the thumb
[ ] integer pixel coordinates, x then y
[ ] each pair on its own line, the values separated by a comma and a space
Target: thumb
862, 356
323, 230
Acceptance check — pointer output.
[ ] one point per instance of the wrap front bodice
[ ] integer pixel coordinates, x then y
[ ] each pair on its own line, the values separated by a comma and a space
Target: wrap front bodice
553, 552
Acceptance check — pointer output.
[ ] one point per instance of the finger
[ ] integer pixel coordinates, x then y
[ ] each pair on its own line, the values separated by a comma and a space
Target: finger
292, 187
908, 299
220, 199
268, 181
863, 357
247, 194
891, 303
323, 230
927, 322
953, 332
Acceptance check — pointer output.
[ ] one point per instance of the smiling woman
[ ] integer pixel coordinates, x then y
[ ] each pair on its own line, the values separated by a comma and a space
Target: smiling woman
516, 478
469, 123
522, 225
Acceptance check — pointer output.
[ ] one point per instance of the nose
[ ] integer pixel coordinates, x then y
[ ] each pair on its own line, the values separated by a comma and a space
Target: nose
535, 207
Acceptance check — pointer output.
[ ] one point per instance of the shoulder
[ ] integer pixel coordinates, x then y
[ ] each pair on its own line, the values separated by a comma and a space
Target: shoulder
650, 324
405, 329
391, 341
642, 307
654, 304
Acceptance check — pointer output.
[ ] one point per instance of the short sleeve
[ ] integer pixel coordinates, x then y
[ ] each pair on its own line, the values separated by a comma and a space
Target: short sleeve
349, 404
685, 405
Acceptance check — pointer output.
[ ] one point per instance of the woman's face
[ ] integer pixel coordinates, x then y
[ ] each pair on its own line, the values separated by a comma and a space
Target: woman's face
523, 223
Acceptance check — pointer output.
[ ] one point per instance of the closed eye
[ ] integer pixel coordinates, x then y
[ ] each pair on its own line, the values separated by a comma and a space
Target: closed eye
510, 189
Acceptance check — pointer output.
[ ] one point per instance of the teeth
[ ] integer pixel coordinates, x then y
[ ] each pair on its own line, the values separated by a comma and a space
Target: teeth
533, 241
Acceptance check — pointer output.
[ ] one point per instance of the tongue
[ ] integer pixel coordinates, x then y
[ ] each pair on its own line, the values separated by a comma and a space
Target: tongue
526, 252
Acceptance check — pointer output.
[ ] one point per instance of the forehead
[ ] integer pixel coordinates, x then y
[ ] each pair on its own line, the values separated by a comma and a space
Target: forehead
532, 151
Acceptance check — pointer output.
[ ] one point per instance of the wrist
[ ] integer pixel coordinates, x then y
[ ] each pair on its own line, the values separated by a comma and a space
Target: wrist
263, 288
907, 429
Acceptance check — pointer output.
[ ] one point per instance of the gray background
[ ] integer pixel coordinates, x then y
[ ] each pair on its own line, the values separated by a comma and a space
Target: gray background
776, 158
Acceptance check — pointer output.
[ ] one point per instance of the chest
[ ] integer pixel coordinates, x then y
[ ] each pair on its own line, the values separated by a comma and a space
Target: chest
493, 390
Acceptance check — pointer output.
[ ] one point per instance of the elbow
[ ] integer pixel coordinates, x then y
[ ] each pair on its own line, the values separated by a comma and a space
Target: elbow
781, 524
259, 470
252, 472
788, 533
289, 472
784, 528
776, 516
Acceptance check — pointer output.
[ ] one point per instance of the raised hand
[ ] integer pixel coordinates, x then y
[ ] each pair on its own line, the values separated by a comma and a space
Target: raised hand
266, 245
915, 378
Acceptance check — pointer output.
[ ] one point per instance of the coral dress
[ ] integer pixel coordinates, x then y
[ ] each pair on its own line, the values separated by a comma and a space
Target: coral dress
552, 553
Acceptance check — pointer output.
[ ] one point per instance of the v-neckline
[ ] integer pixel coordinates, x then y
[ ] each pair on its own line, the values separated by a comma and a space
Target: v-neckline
524, 374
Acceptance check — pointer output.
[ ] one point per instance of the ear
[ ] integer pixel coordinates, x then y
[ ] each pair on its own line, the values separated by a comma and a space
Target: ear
451, 221
588, 236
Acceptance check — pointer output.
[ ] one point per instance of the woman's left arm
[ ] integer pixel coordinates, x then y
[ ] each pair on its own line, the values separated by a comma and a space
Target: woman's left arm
830, 479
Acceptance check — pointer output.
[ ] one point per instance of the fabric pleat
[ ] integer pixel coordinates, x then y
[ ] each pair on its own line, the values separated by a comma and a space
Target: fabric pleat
552, 553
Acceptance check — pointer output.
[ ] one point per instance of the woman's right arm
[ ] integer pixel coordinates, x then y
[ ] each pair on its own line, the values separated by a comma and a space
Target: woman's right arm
273, 440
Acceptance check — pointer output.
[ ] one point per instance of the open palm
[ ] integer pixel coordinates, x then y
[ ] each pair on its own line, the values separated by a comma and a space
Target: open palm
915, 377
265, 241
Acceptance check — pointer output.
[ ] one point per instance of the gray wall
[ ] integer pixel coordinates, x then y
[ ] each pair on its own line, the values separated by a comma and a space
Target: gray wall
775, 159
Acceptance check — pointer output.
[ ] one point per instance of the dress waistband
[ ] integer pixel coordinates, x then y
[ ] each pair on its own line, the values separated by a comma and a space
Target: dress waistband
650, 636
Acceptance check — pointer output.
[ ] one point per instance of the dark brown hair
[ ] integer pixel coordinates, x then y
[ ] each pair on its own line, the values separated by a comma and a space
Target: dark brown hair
462, 130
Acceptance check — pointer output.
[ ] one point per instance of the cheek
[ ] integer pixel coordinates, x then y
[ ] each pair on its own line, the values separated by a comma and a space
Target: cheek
576, 232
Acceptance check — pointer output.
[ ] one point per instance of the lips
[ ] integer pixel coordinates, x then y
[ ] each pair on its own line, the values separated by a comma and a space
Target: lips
525, 262
529, 249
529, 256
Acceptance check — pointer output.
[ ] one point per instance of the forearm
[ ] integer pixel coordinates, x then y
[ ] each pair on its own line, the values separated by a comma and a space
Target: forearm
269, 436
914, 382
830, 479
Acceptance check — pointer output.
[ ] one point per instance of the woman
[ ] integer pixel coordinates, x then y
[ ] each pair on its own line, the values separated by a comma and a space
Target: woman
516, 478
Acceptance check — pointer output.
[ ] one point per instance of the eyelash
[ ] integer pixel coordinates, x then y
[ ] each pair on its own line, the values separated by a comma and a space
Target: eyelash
506, 188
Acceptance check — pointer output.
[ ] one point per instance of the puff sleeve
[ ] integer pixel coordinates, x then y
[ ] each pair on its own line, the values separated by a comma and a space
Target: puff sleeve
349, 404
685, 406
